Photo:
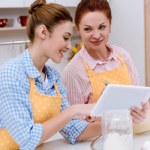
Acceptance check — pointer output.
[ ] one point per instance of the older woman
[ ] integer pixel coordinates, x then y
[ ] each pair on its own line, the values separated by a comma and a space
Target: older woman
98, 62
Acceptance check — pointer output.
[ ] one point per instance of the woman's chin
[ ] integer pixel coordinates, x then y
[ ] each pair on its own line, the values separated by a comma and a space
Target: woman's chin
57, 61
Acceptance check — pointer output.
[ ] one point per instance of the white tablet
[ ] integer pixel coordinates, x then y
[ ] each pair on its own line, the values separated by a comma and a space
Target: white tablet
120, 97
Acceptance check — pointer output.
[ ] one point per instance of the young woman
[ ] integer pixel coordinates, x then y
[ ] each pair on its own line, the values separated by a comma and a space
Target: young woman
33, 103
98, 62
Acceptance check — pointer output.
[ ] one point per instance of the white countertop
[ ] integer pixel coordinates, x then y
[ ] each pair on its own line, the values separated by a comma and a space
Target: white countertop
57, 142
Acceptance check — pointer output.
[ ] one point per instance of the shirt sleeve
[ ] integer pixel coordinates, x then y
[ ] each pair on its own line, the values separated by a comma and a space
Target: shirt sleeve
15, 110
75, 127
74, 91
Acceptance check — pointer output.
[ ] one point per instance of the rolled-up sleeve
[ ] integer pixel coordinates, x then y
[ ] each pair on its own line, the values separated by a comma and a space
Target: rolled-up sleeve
15, 110
75, 127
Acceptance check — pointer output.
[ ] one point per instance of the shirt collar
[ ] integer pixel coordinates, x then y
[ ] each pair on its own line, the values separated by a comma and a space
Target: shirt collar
92, 62
29, 67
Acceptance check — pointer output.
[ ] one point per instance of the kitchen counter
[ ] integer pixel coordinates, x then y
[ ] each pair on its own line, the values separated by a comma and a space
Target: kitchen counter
57, 142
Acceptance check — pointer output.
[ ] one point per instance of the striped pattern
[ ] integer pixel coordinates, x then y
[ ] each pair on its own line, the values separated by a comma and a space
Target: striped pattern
75, 77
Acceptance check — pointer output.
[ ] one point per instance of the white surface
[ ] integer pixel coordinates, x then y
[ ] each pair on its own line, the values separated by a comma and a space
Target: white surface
27, 3
120, 97
11, 3
128, 30
146, 145
59, 143
68, 3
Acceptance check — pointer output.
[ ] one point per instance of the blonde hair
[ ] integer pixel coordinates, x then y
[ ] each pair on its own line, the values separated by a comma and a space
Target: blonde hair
49, 14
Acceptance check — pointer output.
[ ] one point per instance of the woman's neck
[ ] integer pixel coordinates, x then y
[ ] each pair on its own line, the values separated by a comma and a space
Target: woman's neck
100, 54
37, 58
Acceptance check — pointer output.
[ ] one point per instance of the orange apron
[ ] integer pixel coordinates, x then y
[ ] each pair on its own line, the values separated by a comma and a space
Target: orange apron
118, 75
41, 110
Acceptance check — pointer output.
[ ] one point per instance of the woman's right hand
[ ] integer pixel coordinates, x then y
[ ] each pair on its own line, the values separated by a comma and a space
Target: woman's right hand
82, 109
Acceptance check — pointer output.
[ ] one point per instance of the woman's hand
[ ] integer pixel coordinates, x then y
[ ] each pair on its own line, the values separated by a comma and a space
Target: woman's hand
139, 114
92, 119
89, 98
82, 109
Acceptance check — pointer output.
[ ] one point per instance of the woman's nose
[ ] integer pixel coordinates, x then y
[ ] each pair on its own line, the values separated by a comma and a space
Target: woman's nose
69, 45
96, 34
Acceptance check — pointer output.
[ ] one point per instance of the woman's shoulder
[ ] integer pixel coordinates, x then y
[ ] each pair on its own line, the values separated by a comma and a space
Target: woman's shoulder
12, 68
120, 51
13, 73
75, 65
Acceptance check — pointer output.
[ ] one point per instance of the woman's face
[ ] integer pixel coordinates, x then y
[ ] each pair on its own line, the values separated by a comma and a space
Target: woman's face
59, 41
94, 30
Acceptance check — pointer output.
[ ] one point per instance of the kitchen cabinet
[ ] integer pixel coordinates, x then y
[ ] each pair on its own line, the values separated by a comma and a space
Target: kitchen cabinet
68, 3
17, 3
11, 3
50, 1
27, 3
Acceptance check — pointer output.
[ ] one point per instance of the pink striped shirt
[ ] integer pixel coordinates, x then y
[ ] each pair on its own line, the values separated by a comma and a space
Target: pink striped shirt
75, 78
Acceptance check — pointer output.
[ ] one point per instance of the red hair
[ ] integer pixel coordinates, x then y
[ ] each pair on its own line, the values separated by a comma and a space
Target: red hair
86, 6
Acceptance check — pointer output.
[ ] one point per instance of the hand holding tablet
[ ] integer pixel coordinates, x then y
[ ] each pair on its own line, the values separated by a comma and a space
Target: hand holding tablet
120, 97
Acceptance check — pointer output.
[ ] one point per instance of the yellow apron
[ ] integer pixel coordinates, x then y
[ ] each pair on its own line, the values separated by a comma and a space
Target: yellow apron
118, 75
44, 107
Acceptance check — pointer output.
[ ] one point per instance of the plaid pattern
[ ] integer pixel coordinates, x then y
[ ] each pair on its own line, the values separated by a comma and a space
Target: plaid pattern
15, 107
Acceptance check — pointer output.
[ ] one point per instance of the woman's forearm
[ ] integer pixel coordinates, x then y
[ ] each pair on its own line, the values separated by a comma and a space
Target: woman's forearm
55, 124
92, 130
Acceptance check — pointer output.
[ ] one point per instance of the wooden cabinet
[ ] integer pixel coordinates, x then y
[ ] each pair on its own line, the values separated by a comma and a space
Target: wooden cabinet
147, 41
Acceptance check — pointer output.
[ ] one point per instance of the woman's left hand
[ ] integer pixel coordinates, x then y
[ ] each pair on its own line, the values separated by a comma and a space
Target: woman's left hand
139, 114
92, 119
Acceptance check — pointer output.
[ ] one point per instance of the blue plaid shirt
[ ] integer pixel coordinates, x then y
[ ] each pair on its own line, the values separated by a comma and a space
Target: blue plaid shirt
15, 107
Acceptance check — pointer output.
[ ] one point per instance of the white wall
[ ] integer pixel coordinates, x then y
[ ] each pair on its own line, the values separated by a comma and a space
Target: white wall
128, 30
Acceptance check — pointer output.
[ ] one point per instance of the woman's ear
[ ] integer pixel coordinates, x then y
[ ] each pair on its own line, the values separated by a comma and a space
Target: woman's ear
43, 32
77, 30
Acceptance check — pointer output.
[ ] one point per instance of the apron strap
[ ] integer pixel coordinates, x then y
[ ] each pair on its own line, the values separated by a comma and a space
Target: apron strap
33, 86
57, 89
91, 72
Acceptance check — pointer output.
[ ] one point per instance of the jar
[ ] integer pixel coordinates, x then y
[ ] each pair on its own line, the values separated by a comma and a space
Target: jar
117, 132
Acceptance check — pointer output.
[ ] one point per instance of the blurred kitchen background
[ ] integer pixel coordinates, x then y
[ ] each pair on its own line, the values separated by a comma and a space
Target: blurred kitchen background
130, 30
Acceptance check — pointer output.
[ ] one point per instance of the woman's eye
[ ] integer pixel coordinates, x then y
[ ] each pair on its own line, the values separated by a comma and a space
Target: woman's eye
87, 29
66, 39
102, 27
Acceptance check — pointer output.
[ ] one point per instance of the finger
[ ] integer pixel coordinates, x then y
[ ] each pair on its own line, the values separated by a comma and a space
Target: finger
134, 118
137, 115
139, 112
136, 121
145, 106
89, 98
